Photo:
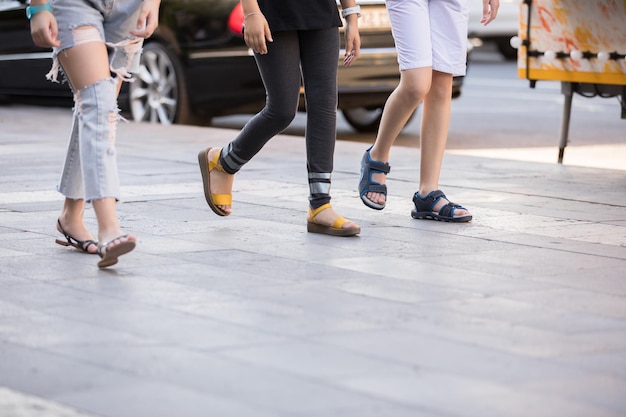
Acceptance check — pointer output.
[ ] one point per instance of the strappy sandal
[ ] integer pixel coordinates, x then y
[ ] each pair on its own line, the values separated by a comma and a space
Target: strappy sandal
424, 208
336, 229
213, 200
109, 253
81, 245
370, 166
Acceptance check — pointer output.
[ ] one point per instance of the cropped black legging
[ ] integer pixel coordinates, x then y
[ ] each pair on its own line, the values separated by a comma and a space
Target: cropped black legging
314, 54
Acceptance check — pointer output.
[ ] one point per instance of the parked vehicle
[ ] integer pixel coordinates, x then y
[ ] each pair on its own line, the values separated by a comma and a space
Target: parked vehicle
196, 66
501, 30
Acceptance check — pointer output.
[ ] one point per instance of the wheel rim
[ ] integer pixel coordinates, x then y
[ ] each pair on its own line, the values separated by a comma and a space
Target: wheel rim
154, 93
363, 117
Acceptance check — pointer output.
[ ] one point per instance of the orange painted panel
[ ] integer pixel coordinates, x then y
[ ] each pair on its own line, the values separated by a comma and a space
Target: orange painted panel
562, 26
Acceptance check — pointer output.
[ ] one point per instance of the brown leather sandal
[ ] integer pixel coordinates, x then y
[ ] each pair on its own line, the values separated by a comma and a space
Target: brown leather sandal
336, 229
81, 245
213, 200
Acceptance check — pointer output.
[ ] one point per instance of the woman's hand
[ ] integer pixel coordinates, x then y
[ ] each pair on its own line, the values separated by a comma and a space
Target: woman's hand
44, 30
148, 19
490, 11
353, 40
257, 32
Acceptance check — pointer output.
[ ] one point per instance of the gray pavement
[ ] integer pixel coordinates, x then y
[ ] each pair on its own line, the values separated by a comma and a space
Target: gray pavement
522, 312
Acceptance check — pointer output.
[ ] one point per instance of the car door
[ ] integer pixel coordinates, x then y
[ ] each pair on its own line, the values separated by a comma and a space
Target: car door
23, 66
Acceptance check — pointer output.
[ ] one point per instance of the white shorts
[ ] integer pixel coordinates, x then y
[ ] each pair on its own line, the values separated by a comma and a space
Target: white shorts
430, 33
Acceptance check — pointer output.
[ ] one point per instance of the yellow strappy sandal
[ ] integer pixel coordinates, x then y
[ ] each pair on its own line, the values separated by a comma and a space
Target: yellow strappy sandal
336, 229
213, 200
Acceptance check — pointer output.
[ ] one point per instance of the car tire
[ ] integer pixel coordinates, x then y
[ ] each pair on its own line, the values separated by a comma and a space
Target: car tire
362, 119
158, 94
365, 120
504, 47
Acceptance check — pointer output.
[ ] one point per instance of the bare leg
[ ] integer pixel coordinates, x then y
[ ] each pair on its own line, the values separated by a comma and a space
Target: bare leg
413, 87
86, 65
71, 219
434, 134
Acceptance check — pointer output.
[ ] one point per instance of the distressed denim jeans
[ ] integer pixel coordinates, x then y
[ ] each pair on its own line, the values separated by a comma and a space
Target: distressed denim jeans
90, 171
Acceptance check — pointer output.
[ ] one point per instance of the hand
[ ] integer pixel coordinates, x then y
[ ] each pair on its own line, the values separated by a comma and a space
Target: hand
490, 11
256, 32
352, 39
148, 19
44, 30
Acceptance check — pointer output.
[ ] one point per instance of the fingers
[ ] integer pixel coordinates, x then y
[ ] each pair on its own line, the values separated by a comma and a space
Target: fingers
44, 30
256, 43
347, 61
490, 11
353, 47
268, 34
148, 19
146, 25
257, 40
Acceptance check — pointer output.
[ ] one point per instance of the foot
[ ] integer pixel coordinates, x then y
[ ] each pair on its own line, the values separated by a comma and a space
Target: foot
458, 212
114, 248
378, 198
77, 235
220, 182
328, 216
436, 206
374, 170
328, 221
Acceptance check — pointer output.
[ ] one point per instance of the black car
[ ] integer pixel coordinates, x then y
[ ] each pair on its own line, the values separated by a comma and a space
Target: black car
196, 66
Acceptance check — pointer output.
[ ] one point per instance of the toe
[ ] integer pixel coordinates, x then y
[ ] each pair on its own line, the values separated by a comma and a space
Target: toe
91, 247
350, 225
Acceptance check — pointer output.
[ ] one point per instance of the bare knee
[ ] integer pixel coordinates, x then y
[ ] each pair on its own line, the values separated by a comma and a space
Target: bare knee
413, 93
414, 85
86, 61
441, 87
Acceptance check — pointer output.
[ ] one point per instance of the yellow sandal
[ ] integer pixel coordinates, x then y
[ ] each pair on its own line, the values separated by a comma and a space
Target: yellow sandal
214, 200
336, 229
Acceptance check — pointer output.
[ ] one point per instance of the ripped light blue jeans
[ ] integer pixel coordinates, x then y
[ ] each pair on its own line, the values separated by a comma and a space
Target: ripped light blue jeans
90, 170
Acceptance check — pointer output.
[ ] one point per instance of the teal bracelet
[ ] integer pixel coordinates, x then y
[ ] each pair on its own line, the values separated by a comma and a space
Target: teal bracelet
33, 10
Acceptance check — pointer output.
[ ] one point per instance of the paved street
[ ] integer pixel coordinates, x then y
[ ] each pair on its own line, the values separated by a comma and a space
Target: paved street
521, 312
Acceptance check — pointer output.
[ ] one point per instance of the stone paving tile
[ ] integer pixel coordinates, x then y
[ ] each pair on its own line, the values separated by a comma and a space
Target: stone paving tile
446, 393
521, 312
17, 404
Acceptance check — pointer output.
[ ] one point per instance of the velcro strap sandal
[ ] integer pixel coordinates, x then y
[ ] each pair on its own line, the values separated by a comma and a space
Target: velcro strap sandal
424, 208
370, 166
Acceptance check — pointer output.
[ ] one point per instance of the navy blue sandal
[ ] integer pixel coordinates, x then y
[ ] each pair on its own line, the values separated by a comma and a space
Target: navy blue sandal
367, 185
424, 208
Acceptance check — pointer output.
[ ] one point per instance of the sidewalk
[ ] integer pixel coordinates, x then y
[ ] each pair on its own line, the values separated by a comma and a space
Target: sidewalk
522, 312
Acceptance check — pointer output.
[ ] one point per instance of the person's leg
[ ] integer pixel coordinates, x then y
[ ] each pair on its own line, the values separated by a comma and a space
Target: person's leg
319, 51
411, 91
449, 23
434, 130
280, 72
411, 30
90, 172
86, 66
70, 221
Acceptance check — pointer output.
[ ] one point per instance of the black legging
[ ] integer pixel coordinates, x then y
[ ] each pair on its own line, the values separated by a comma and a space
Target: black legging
316, 52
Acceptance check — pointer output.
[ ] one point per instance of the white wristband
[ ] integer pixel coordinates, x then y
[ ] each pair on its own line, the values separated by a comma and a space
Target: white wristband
351, 10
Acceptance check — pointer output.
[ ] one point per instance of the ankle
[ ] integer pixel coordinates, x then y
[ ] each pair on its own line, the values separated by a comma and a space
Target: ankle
377, 155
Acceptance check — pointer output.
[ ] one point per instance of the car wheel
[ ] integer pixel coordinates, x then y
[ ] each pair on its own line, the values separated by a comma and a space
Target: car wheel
363, 119
158, 94
504, 47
